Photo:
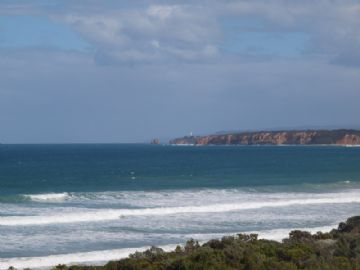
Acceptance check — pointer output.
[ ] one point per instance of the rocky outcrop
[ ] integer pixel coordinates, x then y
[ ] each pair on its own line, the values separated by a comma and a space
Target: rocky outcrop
350, 139
293, 137
155, 141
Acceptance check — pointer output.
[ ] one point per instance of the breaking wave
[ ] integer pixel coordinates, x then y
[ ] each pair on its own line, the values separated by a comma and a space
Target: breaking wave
133, 196
48, 197
79, 215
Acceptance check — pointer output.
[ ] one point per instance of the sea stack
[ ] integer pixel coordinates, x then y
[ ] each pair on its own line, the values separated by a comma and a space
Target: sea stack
155, 141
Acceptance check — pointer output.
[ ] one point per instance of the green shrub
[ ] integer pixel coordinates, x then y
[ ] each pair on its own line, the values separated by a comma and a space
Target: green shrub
336, 250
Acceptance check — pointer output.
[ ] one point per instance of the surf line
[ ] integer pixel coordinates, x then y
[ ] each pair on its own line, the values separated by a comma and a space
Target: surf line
105, 214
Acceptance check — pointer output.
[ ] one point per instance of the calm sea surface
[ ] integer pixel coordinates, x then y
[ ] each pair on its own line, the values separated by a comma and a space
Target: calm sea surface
97, 202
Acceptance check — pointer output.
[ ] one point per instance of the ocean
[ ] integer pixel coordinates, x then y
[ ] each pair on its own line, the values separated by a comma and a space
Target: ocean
90, 203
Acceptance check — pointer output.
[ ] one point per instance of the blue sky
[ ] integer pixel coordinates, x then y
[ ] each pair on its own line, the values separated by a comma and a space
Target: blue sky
110, 71
24, 31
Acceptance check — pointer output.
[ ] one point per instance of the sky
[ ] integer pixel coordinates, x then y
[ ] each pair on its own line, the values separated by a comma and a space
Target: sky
106, 71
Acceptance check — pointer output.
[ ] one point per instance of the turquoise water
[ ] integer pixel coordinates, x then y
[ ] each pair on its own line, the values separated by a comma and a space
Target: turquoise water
99, 201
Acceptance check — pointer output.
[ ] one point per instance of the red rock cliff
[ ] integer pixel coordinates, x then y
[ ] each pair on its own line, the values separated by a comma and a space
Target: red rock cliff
302, 137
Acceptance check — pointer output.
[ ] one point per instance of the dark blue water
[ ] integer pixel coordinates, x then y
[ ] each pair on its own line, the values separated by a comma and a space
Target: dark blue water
91, 203
103, 167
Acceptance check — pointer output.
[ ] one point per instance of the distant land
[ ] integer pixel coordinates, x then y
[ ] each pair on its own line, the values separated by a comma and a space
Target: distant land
280, 137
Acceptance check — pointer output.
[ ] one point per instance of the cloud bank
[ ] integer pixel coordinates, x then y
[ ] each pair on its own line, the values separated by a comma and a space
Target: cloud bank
143, 69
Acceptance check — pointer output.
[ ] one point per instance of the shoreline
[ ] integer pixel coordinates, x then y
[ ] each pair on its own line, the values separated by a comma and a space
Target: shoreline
102, 257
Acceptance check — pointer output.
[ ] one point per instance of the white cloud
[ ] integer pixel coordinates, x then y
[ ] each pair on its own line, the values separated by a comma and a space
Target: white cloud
162, 12
105, 31
155, 43
158, 33
184, 30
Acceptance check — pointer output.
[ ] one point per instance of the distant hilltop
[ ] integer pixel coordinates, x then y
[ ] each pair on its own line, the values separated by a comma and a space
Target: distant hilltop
282, 137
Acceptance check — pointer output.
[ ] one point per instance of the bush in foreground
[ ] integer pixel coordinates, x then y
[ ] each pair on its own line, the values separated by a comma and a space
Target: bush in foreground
338, 249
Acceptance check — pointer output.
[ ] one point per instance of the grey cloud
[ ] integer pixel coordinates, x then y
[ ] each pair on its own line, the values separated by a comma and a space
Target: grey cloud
49, 96
334, 26
153, 33
188, 83
190, 31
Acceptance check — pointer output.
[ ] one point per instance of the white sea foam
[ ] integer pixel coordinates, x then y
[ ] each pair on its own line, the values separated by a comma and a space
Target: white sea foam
114, 214
193, 197
274, 234
94, 257
280, 234
48, 197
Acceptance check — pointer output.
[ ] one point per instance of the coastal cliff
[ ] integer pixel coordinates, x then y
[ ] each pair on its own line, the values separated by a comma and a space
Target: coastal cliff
294, 137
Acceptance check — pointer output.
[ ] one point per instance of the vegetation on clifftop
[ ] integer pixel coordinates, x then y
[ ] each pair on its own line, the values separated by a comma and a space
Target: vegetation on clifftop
338, 249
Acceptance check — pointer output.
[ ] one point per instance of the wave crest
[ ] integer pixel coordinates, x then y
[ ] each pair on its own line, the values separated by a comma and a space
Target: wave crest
114, 214
48, 197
